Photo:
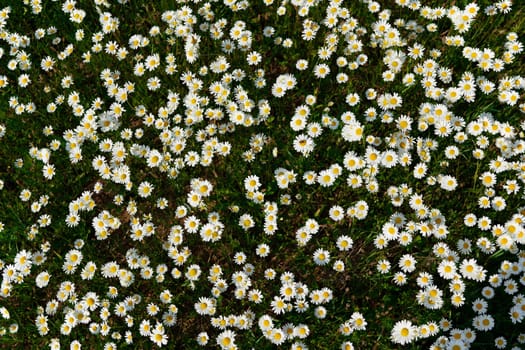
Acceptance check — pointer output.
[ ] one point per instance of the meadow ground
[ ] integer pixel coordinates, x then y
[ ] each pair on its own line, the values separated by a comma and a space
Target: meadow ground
241, 174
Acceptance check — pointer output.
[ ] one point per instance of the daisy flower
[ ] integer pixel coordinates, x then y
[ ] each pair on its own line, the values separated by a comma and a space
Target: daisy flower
246, 221
403, 332
325, 178
262, 250
407, 263
448, 183
339, 266
344, 243
321, 257
336, 213
383, 266
253, 58
321, 71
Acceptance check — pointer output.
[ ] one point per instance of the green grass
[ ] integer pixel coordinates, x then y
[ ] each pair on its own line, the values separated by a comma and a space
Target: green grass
360, 287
